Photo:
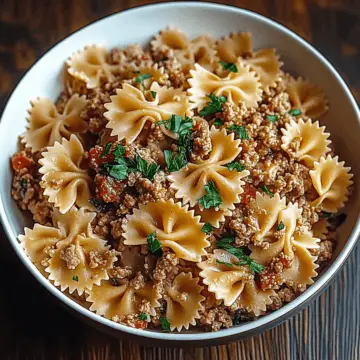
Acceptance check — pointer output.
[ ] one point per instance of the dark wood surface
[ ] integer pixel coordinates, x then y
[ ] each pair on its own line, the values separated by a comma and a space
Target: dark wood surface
33, 327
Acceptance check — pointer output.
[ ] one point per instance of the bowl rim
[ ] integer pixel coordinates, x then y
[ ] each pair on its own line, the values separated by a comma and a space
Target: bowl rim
258, 325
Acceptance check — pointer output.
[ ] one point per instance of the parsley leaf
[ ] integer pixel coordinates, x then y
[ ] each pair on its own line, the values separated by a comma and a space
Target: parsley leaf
154, 244
272, 118
326, 214
267, 191
295, 112
239, 253
212, 197
143, 316
153, 94
141, 78
148, 170
178, 125
214, 106
224, 263
207, 228
228, 66
106, 150
119, 151
117, 171
281, 226
235, 166
218, 122
175, 162
75, 278
240, 131
227, 238
165, 324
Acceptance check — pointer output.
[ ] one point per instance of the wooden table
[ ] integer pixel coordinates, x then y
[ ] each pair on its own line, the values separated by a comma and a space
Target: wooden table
33, 327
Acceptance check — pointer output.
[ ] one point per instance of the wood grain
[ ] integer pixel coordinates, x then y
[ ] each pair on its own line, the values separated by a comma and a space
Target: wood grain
33, 327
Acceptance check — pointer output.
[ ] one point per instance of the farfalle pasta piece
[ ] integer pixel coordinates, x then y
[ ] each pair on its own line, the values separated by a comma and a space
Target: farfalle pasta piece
233, 283
331, 180
115, 302
90, 65
295, 244
189, 182
183, 301
267, 66
204, 53
243, 85
212, 216
69, 252
176, 227
234, 46
321, 228
47, 125
157, 75
306, 140
266, 214
307, 97
129, 109
64, 179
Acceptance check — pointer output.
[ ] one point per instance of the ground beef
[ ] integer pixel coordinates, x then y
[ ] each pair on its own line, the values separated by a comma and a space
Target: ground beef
216, 319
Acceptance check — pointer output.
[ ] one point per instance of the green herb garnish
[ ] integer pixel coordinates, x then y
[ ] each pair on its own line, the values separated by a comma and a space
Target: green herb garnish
272, 118
239, 253
75, 278
214, 106
177, 124
143, 316
165, 324
267, 191
141, 78
148, 170
235, 166
153, 94
154, 244
228, 66
175, 162
212, 197
207, 228
119, 151
326, 214
224, 263
240, 131
237, 318
295, 112
106, 150
218, 122
281, 226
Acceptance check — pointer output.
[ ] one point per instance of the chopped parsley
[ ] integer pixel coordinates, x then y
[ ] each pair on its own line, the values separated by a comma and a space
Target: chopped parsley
143, 316
106, 149
235, 166
114, 282
178, 125
267, 191
228, 66
239, 130
154, 244
326, 214
148, 170
119, 151
272, 118
213, 106
75, 278
224, 243
227, 238
118, 171
224, 263
295, 112
212, 197
281, 226
175, 162
218, 122
207, 228
141, 78
153, 94
165, 324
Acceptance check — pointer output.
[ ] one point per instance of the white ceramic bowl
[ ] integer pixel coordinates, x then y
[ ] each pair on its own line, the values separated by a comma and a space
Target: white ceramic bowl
138, 26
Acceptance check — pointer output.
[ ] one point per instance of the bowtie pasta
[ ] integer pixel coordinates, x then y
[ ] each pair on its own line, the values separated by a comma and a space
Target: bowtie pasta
189, 184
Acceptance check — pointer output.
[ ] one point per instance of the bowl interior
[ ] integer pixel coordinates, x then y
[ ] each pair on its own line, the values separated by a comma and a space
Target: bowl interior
138, 26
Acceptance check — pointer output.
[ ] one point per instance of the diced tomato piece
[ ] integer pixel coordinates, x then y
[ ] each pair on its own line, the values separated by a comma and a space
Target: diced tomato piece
248, 194
21, 161
108, 188
95, 158
141, 324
